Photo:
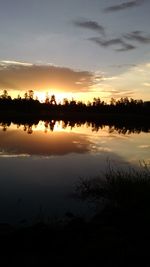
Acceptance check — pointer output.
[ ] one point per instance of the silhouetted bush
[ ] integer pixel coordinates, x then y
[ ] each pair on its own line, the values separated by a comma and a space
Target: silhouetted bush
120, 189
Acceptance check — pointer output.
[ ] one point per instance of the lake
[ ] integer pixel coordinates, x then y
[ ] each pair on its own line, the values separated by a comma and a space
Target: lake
41, 165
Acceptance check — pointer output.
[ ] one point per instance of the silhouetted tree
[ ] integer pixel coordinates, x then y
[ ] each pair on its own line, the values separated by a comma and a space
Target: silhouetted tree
65, 102
112, 101
26, 95
47, 100
53, 100
31, 94
5, 95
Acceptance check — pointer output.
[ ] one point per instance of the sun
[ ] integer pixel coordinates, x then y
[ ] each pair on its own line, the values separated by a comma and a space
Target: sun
41, 96
59, 96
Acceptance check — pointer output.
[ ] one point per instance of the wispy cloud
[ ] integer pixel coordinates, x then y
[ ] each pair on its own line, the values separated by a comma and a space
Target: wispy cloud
113, 42
14, 62
25, 76
123, 6
138, 36
146, 84
125, 93
117, 94
90, 24
121, 43
129, 83
118, 66
126, 47
104, 42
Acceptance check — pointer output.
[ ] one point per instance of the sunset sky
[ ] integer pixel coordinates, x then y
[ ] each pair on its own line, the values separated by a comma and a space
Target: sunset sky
81, 49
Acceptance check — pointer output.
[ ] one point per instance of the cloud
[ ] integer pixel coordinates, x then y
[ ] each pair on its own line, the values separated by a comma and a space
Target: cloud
125, 41
91, 25
130, 83
25, 76
10, 62
126, 47
138, 36
123, 6
118, 66
125, 93
106, 43
146, 84
118, 93
112, 42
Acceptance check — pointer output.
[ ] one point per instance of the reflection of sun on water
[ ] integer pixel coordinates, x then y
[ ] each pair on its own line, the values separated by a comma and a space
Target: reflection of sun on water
42, 126
51, 126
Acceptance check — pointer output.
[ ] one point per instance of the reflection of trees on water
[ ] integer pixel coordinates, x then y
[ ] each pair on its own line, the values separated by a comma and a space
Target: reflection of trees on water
28, 128
46, 126
5, 125
49, 125
128, 130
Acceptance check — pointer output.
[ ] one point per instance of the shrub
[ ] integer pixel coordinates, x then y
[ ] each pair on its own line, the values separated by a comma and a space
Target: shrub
125, 189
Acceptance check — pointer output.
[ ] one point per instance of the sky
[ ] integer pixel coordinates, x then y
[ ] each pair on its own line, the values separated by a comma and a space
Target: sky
80, 49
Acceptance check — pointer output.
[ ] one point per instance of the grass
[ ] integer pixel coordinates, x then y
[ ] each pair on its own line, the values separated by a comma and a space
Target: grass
121, 189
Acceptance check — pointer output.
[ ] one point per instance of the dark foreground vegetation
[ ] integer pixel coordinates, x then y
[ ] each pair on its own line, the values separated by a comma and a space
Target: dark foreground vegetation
118, 235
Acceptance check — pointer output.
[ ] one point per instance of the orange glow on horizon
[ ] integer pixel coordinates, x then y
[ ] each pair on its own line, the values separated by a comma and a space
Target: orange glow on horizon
133, 82
58, 95
61, 95
83, 96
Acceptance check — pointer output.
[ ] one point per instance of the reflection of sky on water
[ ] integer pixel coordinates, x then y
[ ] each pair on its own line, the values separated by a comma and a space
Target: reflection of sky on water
17, 142
27, 184
41, 169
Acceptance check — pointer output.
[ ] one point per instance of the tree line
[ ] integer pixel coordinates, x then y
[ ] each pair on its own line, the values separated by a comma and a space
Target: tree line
30, 104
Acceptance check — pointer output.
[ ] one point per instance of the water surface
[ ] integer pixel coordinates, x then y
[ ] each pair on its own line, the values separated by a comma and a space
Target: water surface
40, 165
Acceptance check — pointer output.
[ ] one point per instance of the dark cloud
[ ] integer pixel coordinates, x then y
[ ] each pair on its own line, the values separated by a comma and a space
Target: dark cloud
126, 47
138, 36
91, 25
123, 41
124, 5
37, 77
112, 42
106, 43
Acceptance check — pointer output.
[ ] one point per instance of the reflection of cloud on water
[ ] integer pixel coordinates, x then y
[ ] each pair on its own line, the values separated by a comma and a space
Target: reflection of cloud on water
144, 146
17, 144
104, 149
95, 149
5, 155
48, 180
